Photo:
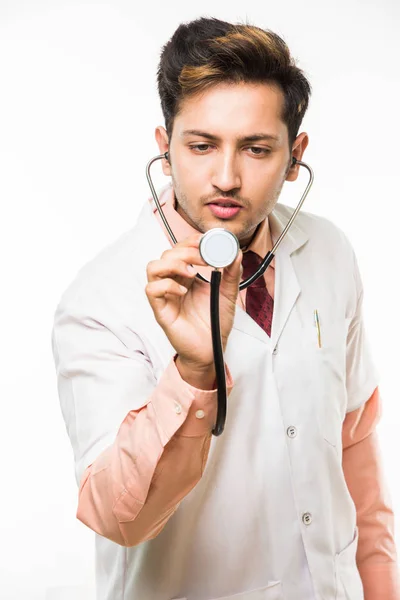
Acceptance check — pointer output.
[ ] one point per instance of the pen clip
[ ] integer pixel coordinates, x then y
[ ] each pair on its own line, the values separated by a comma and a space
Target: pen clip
317, 324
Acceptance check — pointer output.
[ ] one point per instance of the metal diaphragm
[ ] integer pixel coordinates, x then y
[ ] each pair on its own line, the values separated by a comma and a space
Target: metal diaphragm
219, 247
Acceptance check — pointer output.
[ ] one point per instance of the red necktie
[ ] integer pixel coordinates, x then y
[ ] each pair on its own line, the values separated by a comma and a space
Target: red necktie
259, 303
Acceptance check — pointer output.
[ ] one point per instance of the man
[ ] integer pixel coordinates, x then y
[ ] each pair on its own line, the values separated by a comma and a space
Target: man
290, 501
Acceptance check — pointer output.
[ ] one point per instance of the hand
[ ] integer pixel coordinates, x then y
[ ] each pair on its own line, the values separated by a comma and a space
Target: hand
181, 302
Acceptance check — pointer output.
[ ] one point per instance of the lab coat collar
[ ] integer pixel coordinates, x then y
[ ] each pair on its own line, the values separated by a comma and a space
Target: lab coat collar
287, 286
295, 237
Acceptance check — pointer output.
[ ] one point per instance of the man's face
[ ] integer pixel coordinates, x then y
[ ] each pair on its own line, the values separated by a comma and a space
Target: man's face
210, 160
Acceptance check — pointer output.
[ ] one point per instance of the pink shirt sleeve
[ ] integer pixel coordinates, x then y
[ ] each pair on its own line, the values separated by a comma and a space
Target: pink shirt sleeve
362, 466
134, 486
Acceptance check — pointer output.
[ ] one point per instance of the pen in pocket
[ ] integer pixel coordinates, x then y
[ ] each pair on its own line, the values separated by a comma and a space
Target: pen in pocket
316, 319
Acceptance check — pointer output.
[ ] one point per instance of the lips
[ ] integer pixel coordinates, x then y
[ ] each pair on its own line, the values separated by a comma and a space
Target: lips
223, 212
225, 202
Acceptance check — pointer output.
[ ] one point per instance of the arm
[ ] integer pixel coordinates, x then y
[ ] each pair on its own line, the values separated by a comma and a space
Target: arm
139, 445
362, 466
132, 489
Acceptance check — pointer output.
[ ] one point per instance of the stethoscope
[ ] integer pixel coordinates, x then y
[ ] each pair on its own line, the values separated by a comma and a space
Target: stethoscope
219, 248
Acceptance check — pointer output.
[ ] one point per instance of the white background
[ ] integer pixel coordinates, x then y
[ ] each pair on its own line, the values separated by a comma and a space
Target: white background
78, 109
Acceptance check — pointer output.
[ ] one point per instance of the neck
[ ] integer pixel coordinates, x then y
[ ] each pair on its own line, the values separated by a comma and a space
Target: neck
244, 245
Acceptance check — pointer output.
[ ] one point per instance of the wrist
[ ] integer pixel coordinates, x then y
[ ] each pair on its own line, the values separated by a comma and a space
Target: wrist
199, 376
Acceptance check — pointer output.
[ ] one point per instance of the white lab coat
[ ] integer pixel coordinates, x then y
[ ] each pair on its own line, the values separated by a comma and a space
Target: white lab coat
272, 517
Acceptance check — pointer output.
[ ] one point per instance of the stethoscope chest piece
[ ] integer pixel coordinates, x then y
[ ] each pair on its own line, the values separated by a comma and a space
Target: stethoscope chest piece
219, 247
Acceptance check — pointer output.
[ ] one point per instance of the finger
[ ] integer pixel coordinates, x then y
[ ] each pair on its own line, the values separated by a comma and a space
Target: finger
231, 276
175, 258
235, 269
192, 240
178, 270
157, 290
187, 253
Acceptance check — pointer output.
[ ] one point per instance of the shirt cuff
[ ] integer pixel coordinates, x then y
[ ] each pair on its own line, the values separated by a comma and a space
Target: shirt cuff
202, 415
181, 406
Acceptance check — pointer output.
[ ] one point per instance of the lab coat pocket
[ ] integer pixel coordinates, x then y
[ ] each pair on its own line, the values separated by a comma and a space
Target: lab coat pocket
329, 421
328, 364
272, 591
348, 581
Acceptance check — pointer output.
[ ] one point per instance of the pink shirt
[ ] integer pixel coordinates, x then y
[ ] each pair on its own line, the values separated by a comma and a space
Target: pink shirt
137, 477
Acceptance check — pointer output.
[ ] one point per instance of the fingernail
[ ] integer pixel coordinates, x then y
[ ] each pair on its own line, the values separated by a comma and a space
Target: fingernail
191, 269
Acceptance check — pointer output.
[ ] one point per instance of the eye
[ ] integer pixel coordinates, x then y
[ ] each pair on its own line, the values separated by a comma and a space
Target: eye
259, 151
201, 148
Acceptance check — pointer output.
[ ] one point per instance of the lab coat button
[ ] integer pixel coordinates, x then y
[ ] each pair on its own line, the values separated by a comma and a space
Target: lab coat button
275, 350
307, 518
178, 408
199, 414
291, 431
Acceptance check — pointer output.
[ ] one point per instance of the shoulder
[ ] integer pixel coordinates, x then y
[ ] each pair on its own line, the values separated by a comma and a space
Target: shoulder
103, 269
323, 234
105, 286
327, 258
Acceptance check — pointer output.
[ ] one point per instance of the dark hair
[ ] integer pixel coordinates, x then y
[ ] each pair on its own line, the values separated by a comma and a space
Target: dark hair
207, 51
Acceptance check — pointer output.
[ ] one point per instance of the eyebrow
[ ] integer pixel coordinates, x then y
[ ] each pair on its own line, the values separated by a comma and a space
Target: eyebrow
248, 138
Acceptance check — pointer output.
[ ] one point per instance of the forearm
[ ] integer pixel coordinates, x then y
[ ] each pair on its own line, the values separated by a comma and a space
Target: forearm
130, 501
131, 490
376, 553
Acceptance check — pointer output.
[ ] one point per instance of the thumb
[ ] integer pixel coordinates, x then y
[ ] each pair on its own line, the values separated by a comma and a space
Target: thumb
231, 276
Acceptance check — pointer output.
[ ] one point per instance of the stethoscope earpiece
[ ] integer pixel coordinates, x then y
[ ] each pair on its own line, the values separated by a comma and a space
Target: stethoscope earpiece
166, 156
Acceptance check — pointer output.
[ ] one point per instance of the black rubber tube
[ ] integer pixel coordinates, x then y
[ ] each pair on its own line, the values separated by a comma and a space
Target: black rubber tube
218, 354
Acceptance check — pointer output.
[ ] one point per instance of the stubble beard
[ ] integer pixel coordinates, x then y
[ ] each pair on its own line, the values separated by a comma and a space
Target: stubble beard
181, 205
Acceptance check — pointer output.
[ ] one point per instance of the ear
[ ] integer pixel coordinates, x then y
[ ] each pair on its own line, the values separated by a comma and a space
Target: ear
162, 141
299, 145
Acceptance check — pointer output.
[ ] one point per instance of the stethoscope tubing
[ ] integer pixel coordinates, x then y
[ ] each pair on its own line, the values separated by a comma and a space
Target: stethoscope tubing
215, 285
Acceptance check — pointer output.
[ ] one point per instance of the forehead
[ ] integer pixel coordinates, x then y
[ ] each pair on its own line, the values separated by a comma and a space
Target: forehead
233, 110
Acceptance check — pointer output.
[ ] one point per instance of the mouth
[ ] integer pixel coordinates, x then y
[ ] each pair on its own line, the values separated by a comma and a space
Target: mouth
224, 210
225, 202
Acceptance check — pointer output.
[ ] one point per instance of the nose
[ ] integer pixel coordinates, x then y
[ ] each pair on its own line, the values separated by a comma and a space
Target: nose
226, 174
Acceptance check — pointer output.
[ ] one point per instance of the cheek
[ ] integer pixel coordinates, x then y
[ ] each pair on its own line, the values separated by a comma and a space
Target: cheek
190, 170
183, 171
192, 181
264, 173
